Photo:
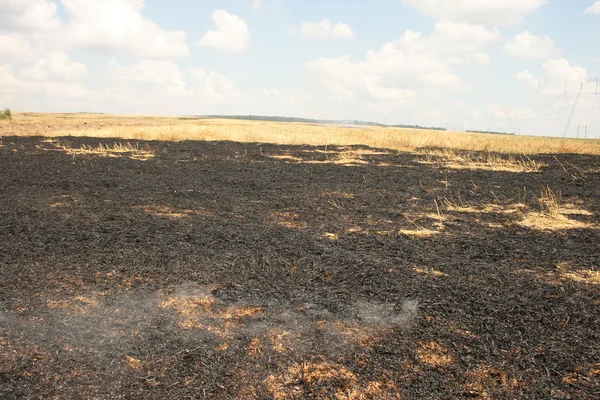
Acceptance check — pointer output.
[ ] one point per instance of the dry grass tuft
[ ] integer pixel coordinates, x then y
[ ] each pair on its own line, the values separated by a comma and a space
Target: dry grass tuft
458, 205
429, 271
488, 161
117, 149
200, 310
79, 305
550, 203
350, 157
175, 213
588, 277
552, 214
289, 220
324, 379
285, 157
486, 378
419, 232
434, 354
331, 236
567, 273
133, 362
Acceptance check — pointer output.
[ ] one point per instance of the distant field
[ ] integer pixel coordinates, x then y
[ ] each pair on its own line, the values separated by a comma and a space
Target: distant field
177, 129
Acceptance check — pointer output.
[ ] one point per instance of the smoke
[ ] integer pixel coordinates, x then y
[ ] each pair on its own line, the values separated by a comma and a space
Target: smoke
92, 332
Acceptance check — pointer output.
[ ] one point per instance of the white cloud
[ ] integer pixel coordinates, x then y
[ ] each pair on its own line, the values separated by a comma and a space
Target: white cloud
15, 47
256, 3
319, 30
119, 26
276, 95
11, 88
158, 76
527, 45
28, 16
53, 78
593, 9
413, 62
231, 34
99, 25
556, 73
386, 93
442, 79
511, 113
342, 31
160, 86
345, 79
528, 79
278, 98
214, 88
56, 77
9, 84
275, 101
487, 12
56, 67
340, 74
323, 30
272, 93
57, 90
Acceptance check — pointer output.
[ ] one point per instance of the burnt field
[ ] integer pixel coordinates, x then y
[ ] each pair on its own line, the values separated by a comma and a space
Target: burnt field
171, 270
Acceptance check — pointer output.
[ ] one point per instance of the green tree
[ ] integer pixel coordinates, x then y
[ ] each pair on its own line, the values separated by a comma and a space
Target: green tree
6, 114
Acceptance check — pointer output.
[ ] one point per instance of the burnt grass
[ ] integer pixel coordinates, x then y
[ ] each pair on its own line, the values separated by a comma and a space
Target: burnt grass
215, 270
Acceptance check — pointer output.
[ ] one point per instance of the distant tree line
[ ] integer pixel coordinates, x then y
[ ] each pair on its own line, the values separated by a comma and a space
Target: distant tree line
313, 121
492, 132
433, 128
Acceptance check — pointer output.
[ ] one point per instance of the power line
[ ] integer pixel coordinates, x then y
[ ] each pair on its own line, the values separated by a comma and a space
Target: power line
591, 109
584, 81
553, 112
575, 103
548, 103
493, 119
537, 109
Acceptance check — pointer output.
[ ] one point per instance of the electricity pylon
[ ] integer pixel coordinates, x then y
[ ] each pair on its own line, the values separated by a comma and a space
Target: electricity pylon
574, 108
582, 82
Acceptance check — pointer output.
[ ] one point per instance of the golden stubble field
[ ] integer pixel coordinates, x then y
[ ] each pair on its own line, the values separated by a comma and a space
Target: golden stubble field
182, 128
162, 258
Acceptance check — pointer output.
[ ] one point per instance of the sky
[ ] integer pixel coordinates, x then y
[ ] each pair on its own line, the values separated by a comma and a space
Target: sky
516, 66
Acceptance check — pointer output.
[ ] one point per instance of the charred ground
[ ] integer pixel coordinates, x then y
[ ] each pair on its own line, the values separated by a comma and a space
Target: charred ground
236, 270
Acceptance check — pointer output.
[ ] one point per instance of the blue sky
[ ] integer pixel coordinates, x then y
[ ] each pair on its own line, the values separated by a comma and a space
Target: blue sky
467, 64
